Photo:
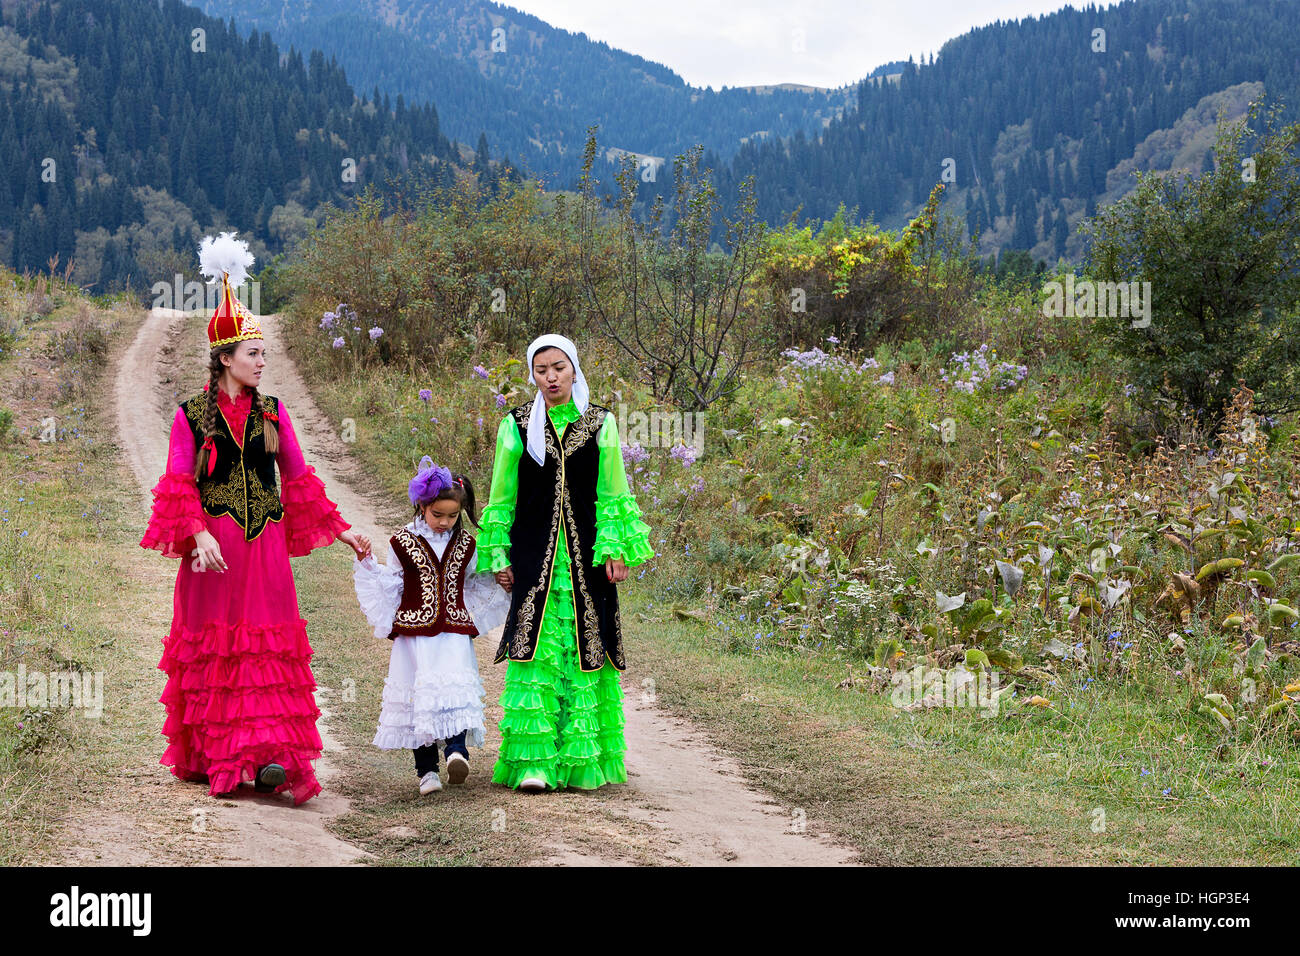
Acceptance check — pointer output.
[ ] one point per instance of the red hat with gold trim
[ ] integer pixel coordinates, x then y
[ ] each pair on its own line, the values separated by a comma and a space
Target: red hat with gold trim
226, 259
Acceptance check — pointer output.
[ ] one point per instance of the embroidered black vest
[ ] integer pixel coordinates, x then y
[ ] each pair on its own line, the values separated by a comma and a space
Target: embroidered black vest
562, 489
432, 588
242, 484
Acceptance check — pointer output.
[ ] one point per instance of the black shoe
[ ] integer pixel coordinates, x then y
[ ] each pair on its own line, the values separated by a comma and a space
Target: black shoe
269, 777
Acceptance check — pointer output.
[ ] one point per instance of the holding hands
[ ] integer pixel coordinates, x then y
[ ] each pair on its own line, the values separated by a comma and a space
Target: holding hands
357, 542
506, 578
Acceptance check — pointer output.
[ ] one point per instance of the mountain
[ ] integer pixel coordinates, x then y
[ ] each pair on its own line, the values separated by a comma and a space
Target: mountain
532, 88
129, 128
1036, 121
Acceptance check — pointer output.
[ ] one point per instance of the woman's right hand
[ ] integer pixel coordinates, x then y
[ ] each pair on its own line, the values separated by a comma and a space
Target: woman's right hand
208, 552
506, 578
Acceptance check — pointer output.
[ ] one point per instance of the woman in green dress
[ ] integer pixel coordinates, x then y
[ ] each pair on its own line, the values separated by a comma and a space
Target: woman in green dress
560, 530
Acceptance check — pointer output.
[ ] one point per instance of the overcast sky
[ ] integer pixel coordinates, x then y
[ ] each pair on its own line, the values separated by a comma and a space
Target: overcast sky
745, 42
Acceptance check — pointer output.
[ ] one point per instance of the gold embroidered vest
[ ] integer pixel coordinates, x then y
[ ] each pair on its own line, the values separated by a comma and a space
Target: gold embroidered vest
242, 484
432, 589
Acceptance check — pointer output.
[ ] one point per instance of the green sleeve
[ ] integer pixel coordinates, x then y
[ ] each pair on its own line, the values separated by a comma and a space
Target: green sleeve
620, 532
499, 513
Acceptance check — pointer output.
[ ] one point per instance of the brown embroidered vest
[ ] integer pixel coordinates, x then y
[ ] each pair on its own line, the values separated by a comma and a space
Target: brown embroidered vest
432, 589
242, 484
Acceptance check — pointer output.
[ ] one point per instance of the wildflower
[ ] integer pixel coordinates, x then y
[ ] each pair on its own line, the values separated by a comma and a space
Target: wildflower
886, 379
501, 401
426, 395
685, 454
327, 320
634, 454
375, 333
338, 342
1165, 792
1146, 772
833, 340
480, 371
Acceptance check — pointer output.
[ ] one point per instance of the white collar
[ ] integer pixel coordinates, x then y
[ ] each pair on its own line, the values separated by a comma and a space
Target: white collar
420, 527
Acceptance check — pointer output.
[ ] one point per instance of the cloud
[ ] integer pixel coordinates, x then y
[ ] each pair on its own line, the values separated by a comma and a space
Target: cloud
752, 42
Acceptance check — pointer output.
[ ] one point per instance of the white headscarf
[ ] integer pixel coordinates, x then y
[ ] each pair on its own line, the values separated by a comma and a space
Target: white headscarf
537, 421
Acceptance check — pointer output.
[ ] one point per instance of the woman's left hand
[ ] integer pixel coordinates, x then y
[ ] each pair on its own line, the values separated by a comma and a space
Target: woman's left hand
357, 542
615, 569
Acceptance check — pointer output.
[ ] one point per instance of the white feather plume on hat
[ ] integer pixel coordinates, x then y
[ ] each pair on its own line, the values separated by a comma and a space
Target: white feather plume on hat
225, 254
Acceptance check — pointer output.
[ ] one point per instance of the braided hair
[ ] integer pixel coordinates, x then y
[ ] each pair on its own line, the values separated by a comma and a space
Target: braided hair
216, 369
462, 492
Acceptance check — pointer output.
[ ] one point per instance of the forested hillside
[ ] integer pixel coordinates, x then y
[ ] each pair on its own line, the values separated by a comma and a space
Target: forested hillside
534, 89
128, 128
1030, 118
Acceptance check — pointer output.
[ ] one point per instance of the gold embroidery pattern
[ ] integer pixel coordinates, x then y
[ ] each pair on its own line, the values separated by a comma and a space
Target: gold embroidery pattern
453, 561
592, 650
528, 609
582, 429
427, 612
241, 496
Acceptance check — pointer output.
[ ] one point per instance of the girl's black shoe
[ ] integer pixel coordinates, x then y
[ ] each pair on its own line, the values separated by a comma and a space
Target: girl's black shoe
269, 777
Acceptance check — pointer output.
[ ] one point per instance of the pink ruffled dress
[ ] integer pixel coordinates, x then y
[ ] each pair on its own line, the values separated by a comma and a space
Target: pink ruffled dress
239, 690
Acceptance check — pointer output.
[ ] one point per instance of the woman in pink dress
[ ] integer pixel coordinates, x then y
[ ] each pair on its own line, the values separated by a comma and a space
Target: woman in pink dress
239, 683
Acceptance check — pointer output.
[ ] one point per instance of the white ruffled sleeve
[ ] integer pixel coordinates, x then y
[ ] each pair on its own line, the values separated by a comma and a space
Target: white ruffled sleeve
379, 590
487, 602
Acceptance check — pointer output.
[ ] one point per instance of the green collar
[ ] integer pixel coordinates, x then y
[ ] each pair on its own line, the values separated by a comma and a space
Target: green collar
563, 414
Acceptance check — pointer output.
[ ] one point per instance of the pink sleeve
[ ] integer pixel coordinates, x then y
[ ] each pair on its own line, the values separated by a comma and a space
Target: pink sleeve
177, 514
310, 519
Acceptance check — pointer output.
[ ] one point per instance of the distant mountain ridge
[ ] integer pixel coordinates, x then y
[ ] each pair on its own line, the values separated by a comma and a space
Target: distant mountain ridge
533, 88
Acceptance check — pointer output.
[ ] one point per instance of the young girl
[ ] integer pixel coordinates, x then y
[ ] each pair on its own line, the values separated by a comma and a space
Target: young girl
430, 603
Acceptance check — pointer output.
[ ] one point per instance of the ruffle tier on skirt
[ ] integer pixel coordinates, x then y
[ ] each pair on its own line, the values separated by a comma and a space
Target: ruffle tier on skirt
559, 723
239, 690
432, 692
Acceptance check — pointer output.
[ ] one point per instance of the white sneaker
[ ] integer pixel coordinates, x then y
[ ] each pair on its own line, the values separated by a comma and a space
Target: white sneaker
430, 783
532, 785
457, 768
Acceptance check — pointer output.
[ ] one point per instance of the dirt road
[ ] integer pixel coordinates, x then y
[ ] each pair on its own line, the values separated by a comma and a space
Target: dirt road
694, 799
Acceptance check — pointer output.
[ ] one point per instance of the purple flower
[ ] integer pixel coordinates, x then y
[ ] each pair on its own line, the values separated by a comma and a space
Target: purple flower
375, 333
501, 401
634, 454
480, 371
685, 454
833, 340
327, 320
886, 379
338, 343
425, 395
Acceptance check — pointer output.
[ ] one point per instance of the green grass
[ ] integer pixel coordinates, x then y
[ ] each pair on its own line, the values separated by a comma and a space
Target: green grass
1065, 784
68, 580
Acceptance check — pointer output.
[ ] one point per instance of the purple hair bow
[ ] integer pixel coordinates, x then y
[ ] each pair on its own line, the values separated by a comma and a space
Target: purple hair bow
431, 481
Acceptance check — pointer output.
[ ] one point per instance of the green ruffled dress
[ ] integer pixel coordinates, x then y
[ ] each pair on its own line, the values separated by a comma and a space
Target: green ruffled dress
559, 723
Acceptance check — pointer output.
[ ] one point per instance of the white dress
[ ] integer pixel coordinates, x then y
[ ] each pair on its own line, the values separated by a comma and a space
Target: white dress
433, 689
